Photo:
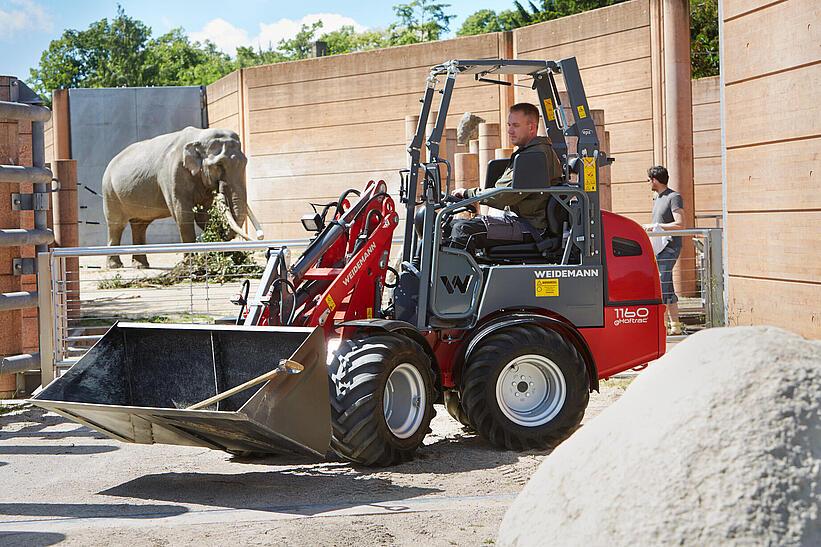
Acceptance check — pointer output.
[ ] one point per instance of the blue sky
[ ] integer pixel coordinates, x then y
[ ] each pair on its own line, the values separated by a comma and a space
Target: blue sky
29, 25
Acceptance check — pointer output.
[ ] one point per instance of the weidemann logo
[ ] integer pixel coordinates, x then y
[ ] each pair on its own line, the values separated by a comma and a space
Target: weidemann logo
359, 263
577, 272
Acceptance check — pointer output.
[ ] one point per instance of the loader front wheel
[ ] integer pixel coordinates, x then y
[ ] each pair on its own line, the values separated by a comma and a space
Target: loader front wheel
525, 387
382, 395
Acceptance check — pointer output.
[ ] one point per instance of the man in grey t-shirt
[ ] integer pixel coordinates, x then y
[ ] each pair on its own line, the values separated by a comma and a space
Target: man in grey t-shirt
668, 214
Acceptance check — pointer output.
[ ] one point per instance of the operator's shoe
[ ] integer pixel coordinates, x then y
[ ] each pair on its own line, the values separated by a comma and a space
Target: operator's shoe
675, 328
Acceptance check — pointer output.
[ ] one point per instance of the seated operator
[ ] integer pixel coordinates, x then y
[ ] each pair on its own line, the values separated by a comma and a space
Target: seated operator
529, 208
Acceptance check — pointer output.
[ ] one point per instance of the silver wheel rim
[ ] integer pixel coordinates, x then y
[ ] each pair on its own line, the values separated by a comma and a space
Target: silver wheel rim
531, 390
404, 400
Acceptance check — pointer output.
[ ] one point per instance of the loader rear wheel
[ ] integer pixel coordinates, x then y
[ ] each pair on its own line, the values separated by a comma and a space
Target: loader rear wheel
382, 394
454, 408
525, 387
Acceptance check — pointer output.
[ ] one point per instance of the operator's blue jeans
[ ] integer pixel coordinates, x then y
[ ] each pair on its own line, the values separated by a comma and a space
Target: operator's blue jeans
666, 259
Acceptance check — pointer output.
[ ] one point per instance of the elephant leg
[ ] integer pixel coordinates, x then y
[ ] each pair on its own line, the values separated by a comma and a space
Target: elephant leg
185, 223
138, 229
115, 234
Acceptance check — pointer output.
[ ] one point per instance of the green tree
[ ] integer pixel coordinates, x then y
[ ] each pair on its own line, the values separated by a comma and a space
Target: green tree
121, 52
300, 46
347, 40
174, 60
704, 38
107, 54
419, 21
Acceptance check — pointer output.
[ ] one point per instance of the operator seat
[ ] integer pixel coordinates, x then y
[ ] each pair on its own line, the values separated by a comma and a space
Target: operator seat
529, 172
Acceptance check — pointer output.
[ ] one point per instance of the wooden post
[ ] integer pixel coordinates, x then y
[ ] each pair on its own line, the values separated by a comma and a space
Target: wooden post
503, 153
410, 131
489, 141
467, 170
66, 229
473, 147
678, 104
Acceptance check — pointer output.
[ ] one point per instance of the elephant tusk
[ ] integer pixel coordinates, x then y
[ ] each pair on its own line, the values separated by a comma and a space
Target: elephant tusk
229, 217
253, 218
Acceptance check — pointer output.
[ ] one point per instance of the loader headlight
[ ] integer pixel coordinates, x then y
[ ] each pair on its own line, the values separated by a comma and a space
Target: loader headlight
312, 222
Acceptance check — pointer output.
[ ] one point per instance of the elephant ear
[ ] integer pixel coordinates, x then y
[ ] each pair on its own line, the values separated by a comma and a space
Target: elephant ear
192, 157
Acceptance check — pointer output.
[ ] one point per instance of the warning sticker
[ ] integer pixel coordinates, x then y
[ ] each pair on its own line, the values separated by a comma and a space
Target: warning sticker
589, 174
369, 313
330, 302
582, 113
547, 287
548, 108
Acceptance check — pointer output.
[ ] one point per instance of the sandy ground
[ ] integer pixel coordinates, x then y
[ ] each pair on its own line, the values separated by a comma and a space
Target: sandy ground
62, 482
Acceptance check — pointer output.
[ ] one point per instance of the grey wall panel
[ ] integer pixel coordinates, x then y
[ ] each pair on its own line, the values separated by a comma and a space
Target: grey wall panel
105, 121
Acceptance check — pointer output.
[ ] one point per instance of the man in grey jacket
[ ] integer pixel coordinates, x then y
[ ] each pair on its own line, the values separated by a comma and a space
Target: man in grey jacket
525, 213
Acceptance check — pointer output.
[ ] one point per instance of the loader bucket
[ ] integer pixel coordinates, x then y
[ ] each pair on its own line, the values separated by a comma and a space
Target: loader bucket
137, 383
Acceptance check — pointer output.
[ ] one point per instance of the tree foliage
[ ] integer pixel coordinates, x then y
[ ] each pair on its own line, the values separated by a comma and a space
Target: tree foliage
704, 50
704, 38
122, 52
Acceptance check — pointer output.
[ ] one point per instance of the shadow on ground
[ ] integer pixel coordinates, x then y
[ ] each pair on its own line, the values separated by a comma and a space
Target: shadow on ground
283, 491
56, 450
91, 510
29, 539
42, 419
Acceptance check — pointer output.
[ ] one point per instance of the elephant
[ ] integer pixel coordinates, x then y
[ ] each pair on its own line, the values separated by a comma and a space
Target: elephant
168, 176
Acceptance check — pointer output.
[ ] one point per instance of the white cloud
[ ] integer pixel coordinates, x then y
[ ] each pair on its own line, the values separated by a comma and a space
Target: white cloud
24, 15
227, 37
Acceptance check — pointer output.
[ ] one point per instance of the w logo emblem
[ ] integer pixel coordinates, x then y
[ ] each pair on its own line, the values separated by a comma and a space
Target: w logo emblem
456, 282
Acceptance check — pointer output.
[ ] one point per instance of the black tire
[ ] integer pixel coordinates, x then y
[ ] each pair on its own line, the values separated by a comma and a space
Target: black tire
533, 350
454, 408
359, 373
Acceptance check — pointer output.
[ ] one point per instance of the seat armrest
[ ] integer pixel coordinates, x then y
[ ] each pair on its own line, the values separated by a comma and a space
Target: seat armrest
495, 168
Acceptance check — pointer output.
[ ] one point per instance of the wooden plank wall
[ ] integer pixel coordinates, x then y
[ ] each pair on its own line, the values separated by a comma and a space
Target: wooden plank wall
707, 152
612, 46
773, 161
319, 126
225, 103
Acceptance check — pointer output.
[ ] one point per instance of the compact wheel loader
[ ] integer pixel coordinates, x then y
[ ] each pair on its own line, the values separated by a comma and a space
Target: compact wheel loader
328, 356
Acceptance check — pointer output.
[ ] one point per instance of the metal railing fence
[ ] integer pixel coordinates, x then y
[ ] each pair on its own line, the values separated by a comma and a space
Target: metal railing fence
703, 308
194, 283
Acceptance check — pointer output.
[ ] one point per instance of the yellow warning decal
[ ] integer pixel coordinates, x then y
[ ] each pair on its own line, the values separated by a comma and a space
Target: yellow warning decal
547, 287
369, 312
582, 113
589, 174
549, 111
330, 302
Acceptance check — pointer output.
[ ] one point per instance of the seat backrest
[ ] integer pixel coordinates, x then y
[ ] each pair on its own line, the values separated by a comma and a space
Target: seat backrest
530, 171
495, 169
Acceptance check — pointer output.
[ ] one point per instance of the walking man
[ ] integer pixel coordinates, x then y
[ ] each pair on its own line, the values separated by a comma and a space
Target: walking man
668, 214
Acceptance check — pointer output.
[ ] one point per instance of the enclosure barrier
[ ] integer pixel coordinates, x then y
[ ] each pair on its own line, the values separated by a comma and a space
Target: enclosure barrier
24, 106
706, 308
195, 283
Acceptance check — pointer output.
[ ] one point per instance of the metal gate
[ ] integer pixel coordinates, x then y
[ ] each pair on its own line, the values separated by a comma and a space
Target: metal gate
103, 123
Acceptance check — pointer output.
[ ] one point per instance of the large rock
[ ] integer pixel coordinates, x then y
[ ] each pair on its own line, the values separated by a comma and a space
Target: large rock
716, 443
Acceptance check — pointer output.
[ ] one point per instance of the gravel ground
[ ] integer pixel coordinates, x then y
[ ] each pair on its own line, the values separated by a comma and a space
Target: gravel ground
62, 482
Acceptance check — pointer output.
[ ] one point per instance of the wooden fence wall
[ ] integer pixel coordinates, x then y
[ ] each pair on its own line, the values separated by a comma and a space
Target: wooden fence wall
772, 120
707, 152
313, 128
317, 127
613, 48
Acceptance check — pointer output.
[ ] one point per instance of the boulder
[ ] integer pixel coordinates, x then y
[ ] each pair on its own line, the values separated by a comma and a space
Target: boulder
716, 443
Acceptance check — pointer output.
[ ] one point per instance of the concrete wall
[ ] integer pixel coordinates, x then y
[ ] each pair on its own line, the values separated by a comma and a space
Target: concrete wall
772, 119
707, 152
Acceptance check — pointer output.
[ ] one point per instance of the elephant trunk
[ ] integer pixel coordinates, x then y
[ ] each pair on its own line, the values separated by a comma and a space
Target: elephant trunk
236, 211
